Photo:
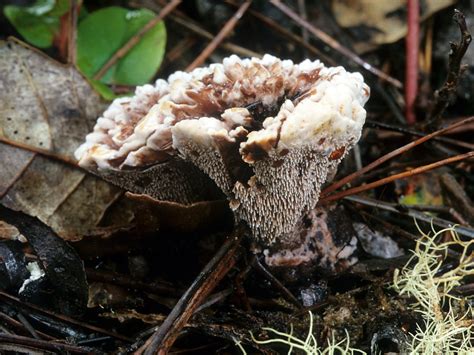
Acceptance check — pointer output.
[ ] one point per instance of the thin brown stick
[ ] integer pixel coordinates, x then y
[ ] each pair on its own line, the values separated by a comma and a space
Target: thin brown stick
394, 168
416, 171
183, 20
131, 283
71, 50
465, 290
287, 34
135, 39
429, 46
13, 323
28, 326
404, 130
186, 22
392, 207
180, 48
440, 209
43, 344
304, 16
162, 340
223, 33
455, 195
242, 51
276, 283
445, 94
394, 230
412, 53
391, 155
335, 44
62, 158
7, 298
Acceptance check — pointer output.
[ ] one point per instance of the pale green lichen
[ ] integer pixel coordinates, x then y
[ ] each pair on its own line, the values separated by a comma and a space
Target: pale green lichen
447, 320
446, 329
309, 345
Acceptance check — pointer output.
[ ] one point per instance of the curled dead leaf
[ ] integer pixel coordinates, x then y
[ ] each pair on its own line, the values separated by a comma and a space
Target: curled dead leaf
50, 106
374, 23
180, 217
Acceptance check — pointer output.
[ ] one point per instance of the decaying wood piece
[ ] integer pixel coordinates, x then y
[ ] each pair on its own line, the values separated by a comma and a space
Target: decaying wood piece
59, 262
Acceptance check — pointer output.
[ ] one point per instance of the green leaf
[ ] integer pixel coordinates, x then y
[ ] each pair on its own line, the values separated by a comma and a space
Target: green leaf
104, 90
38, 23
105, 31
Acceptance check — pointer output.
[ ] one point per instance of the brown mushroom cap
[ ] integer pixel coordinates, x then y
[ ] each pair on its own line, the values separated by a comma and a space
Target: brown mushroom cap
267, 132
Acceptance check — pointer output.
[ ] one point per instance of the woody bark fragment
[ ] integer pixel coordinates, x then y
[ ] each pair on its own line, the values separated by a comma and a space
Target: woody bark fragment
445, 95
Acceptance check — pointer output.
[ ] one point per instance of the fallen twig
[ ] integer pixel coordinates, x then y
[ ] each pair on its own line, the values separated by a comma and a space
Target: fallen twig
393, 229
392, 105
135, 39
185, 21
7, 298
304, 16
455, 195
440, 209
404, 130
447, 92
131, 283
392, 207
28, 326
335, 44
391, 155
47, 153
14, 324
393, 168
287, 34
276, 283
412, 49
188, 23
223, 33
162, 340
181, 47
73, 14
416, 171
44, 344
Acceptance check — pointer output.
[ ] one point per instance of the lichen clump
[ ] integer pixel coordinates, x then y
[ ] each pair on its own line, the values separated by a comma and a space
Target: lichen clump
447, 317
266, 131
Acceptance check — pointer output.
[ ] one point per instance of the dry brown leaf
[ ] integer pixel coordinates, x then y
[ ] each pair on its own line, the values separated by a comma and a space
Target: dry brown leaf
373, 23
50, 106
180, 217
10, 232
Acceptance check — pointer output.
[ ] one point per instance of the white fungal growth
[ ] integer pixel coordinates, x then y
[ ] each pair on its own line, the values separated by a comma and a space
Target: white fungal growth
36, 273
266, 131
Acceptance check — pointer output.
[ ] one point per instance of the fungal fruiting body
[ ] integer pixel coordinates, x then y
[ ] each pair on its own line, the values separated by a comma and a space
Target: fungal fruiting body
266, 131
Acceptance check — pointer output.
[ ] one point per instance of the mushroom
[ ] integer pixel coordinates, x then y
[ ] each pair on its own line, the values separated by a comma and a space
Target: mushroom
266, 132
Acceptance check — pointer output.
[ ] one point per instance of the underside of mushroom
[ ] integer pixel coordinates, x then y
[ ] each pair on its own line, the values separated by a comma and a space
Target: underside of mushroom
267, 133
